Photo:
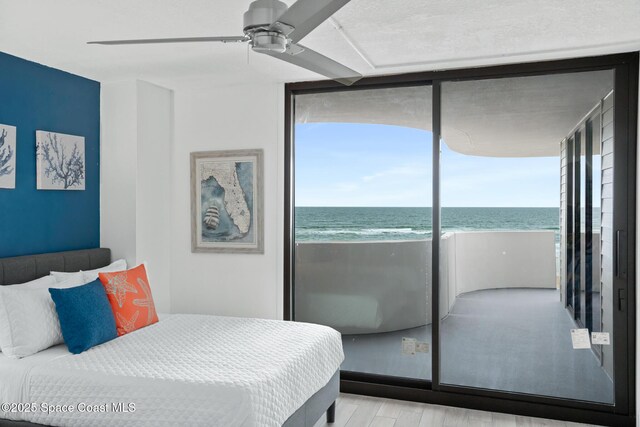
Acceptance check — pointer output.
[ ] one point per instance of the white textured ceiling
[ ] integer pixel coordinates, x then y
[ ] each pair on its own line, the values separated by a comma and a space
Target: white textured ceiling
509, 117
519, 117
377, 36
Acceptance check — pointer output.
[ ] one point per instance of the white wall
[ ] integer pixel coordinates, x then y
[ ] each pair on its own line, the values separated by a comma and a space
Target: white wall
347, 285
364, 287
136, 179
153, 188
495, 260
119, 159
146, 202
213, 116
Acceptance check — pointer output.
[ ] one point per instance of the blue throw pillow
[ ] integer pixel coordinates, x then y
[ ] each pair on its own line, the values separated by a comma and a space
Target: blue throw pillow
86, 319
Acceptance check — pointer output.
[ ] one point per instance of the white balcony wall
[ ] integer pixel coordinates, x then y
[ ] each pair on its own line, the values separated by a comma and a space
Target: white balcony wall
364, 287
381, 286
506, 259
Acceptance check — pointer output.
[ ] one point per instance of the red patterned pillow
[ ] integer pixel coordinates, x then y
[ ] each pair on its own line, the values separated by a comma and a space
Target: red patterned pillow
130, 297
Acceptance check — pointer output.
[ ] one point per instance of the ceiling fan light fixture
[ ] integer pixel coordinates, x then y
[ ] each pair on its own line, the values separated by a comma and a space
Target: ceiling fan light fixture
269, 41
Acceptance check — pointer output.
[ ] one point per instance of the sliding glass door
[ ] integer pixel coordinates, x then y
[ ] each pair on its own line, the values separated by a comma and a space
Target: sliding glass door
471, 234
505, 167
363, 225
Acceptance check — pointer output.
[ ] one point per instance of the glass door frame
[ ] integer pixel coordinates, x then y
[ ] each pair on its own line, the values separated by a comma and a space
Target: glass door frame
625, 67
580, 137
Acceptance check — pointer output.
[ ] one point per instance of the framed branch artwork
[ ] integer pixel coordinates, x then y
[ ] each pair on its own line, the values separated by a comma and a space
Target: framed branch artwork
227, 201
60, 161
7, 156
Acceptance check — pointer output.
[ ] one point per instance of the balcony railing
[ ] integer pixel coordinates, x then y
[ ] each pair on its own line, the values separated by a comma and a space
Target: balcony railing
381, 286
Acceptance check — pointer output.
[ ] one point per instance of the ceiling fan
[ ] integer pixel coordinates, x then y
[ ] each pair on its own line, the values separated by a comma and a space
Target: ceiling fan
274, 29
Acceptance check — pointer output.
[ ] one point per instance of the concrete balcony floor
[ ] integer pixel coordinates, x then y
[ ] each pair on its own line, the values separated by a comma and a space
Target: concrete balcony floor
515, 340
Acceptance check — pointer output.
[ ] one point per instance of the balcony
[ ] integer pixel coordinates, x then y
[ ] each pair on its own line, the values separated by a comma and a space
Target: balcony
499, 303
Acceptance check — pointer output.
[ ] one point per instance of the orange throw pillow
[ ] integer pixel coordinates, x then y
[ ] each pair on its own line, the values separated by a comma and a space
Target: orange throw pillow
130, 297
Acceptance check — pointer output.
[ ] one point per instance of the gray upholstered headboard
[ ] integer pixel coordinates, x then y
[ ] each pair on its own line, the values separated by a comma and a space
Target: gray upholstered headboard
30, 267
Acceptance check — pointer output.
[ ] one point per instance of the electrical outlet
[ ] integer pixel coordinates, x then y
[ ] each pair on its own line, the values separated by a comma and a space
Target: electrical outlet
409, 346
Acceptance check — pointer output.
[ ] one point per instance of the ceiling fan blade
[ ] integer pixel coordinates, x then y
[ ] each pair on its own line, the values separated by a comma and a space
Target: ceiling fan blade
313, 61
305, 15
232, 39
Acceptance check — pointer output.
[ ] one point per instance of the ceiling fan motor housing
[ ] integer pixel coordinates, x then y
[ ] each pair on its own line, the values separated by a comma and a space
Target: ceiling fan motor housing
257, 20
262, 13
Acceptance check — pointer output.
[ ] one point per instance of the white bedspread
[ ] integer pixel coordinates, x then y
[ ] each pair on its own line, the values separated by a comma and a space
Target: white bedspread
14, 374
190, 370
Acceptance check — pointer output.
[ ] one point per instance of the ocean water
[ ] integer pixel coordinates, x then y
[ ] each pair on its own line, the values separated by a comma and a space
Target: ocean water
369, 223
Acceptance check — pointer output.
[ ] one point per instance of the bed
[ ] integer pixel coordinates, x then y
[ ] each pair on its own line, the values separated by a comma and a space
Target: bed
183, 370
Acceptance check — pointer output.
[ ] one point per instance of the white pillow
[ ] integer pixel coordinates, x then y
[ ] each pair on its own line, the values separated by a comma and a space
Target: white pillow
60, 275
91, 275
7, 336
28, 321
42, 283
70, 281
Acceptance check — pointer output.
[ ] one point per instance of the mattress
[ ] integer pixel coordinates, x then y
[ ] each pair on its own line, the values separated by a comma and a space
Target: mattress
184, 370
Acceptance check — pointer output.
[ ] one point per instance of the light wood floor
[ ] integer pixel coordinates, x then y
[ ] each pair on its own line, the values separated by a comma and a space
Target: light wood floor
364, 411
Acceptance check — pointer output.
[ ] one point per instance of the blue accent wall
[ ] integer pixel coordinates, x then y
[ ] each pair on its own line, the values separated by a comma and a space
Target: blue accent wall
34, 97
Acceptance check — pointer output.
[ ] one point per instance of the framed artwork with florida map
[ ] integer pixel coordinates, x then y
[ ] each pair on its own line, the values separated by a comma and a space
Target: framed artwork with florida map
227, 201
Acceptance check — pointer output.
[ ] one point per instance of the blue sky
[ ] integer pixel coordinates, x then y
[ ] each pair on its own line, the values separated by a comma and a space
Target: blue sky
380, 165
